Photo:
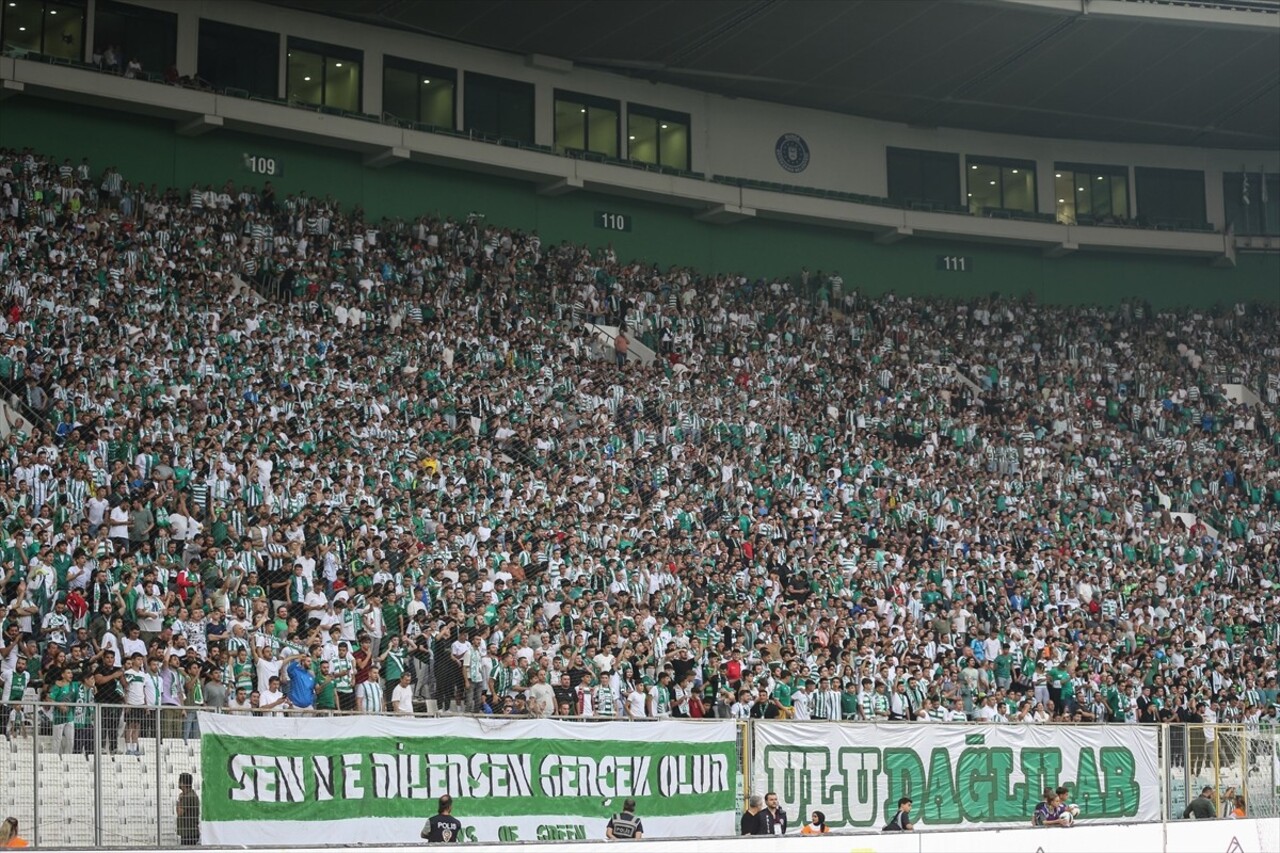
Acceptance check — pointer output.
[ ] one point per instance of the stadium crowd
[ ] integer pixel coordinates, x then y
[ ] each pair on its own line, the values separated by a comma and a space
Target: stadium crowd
397, 471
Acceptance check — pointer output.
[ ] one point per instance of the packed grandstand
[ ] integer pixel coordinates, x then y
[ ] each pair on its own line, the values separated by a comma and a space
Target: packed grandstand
417, 453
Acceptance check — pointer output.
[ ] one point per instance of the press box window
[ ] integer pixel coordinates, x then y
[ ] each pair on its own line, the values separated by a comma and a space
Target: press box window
52, 28
420, 93
1090, 195
496, 106
231, 57
1001, 185
136, 32
324, 75
929, 177
586, 123
658, 136
1171, 198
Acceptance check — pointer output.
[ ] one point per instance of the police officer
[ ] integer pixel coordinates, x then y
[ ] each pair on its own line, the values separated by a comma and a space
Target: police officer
625, 826
443, 828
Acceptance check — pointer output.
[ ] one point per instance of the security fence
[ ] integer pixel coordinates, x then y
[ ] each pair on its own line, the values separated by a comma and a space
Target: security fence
1234, 760
107, 776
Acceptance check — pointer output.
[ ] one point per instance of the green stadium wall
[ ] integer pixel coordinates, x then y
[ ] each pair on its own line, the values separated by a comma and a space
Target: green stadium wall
149, 149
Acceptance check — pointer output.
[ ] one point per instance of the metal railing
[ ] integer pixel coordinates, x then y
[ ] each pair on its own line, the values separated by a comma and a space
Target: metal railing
107, 775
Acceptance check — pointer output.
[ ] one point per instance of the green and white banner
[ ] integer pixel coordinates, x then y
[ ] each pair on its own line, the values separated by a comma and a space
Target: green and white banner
967, 775
376, 780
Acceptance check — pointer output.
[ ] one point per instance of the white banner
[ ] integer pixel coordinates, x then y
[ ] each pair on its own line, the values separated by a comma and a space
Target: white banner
371, 780
957, 776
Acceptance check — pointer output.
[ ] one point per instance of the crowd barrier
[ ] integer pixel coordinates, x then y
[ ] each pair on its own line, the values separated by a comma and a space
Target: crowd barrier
561, 779
1218, 836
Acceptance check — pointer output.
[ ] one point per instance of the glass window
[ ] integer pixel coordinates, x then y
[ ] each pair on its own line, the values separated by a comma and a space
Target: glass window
1170, 198
342, 84
1001, 185
418, 92
496, 106
673, 144
931, 177
306, 76
642, 138
149, 36
984, 187
571, 126
51, 28
1089, 195
658, 136
232, 57
323, 75
586, 123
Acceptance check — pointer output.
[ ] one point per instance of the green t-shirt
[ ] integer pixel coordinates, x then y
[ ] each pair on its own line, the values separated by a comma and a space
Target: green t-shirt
63, 693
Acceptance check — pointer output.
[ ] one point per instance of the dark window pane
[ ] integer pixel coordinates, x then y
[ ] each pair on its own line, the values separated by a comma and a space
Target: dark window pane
64, 31
418, 92
23, 25
148, 35
232, 57
499, 107
923, 176
400, 93
1170, 196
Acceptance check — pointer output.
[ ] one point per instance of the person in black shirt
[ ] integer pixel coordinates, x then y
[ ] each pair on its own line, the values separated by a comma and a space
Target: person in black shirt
443, 828
108, 687
753, 819
626, 825
901, 820
775, 818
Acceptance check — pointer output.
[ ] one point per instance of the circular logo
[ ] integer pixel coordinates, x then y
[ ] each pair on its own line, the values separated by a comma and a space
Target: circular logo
792, 152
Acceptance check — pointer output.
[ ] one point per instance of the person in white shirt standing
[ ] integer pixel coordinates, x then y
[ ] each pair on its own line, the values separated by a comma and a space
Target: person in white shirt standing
135, 689
402, 695
801, 701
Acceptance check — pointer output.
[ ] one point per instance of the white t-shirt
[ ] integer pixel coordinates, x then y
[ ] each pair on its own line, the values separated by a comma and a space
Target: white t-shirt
97, 510
267, 669
402, 699
800, 705
119, 524
266, 697
133, 647
135, 687
635, 703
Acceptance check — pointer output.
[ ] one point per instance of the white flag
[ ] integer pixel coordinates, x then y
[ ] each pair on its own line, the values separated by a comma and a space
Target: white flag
1244, 187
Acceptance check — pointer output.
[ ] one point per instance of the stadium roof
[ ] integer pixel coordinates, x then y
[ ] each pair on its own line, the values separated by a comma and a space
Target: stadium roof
1169, 72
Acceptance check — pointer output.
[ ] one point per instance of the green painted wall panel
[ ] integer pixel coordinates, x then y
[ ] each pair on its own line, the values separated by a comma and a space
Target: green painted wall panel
150, 150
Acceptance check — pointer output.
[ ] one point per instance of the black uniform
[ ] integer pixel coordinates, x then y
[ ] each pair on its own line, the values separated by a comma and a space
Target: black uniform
625, 825
443, 828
